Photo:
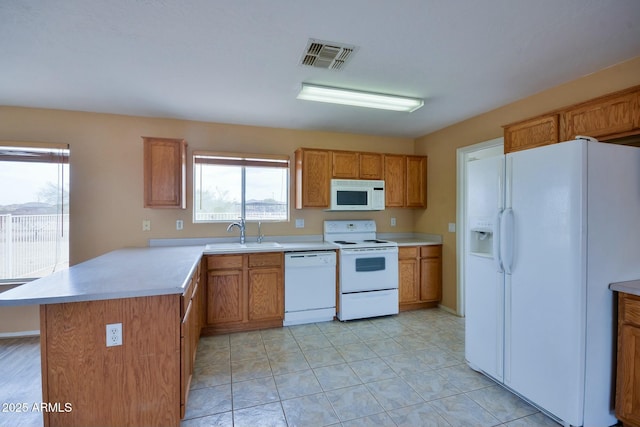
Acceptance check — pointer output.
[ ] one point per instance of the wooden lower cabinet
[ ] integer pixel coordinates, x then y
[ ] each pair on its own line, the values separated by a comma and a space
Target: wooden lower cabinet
192, 309
143, 382
628, 367
244, 292
420, 276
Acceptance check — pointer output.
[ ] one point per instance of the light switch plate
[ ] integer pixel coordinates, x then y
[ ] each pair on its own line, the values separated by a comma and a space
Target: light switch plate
300, 223
452, 227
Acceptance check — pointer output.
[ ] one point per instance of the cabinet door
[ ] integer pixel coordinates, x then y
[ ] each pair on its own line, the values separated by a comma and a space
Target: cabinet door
371, 166
628, 385
313, 178
604, 117
531, 133
431, 273
394, 176
416, 182
266, 291
164, 173
186, 359
345, 164
224, 296
408, 280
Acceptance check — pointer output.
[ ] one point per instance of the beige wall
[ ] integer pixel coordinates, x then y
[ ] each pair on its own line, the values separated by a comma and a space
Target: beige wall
106, 170
106, 188
441, 148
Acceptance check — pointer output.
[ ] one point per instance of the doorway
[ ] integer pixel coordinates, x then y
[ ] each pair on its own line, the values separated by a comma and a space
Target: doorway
491, 148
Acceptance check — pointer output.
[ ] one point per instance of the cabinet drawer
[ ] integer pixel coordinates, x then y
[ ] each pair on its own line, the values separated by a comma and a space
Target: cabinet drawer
431, 251
406, 252
271, 259
217, 262
630, 309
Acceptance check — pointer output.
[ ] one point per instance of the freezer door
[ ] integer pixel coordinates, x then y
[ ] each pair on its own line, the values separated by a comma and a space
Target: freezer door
545, 290
484, 287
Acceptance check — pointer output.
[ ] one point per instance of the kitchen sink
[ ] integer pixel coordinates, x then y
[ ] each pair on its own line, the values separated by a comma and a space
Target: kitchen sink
230, 247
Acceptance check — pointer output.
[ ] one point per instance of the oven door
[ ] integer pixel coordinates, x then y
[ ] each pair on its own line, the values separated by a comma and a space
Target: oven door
369, 269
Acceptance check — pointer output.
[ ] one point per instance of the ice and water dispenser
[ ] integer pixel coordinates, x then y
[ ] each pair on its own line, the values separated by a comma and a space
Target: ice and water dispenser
481, 237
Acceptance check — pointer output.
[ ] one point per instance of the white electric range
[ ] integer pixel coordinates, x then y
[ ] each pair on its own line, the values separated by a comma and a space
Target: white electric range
368, 278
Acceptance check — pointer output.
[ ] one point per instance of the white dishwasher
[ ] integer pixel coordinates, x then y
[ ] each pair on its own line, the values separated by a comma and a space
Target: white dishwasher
309, 287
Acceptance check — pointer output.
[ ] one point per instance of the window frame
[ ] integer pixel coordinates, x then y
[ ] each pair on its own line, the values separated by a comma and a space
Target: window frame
40, 152
243, 160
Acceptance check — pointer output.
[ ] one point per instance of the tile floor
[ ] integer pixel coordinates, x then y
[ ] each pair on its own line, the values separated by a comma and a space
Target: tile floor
404, 370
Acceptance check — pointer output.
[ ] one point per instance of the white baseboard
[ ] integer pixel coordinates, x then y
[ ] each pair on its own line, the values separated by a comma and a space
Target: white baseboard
20, 334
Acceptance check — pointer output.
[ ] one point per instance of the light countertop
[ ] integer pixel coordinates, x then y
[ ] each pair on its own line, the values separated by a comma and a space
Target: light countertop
161, 269
129, 273
631, 287
415, 241
124, 273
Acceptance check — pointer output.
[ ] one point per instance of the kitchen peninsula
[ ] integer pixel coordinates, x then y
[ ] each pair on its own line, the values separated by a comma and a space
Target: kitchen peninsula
159, 297
145, 290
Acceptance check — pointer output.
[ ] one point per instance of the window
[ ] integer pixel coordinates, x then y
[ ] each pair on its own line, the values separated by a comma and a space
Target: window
227, 186
34, 210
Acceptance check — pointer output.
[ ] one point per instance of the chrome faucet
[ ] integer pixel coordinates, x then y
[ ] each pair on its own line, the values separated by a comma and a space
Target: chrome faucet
241, 226
260, 235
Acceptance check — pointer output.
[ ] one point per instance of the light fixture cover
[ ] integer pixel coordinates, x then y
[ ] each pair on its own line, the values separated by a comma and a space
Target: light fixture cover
334, 95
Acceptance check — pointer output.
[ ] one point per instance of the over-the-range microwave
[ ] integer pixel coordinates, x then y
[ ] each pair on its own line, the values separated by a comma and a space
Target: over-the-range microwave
357, 195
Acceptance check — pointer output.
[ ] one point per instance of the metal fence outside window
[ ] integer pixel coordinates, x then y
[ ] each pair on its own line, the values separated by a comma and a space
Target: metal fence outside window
33, 245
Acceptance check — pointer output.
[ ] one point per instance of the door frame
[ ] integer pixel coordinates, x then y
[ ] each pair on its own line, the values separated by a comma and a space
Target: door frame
481, 150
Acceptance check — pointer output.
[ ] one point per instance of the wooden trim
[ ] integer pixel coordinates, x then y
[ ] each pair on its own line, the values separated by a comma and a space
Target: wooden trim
241, 156
240, 327
418, 305
43, 358
33, 144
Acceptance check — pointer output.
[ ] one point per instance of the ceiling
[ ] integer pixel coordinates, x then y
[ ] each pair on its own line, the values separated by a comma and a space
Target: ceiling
238, 61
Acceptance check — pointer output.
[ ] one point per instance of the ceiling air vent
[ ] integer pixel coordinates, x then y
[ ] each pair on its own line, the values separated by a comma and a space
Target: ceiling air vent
329, 55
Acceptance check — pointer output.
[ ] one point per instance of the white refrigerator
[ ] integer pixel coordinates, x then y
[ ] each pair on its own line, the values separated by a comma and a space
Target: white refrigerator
548, 229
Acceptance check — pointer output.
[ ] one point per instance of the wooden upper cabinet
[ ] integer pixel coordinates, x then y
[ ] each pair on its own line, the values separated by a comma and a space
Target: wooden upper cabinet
345, 164
371, 166
611, 116
608, 118
531, 133
357, 165
416, 193
313, 178
395, 180
165, 162
405, 176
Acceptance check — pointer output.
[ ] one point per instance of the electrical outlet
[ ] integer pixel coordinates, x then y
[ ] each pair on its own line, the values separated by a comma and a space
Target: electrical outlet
179, 224
300, 223
114, 334
393, 222
146, 225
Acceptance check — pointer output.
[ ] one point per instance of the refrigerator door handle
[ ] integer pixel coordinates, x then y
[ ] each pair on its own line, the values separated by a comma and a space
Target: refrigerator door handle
506, 240
496, 242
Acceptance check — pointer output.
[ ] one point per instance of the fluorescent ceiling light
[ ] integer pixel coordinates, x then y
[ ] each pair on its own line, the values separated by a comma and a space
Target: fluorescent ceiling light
358, 98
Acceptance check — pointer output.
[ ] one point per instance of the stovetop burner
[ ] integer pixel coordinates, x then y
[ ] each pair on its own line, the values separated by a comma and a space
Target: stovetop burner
344, 242
375, 241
